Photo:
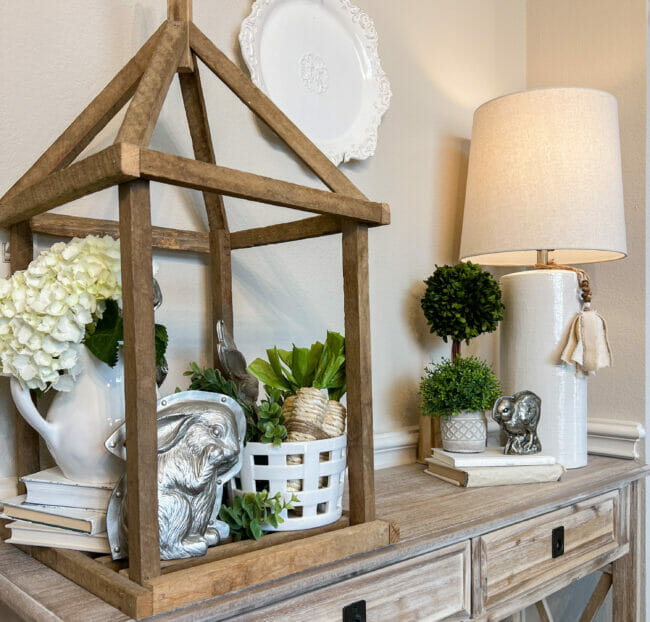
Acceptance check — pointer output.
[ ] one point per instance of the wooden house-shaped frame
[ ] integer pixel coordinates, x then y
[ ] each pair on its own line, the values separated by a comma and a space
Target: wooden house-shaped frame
147, 587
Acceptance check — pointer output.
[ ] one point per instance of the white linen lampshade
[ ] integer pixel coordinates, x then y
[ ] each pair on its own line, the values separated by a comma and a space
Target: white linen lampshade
545, 175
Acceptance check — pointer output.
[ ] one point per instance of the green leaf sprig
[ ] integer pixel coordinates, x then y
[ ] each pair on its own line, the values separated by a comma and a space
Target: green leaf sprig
270, 421
450, 387
251, 512
321, 366
104, 336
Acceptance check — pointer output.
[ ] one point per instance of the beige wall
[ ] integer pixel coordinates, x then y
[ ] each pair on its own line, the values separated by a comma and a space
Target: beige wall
602, 44
443, 58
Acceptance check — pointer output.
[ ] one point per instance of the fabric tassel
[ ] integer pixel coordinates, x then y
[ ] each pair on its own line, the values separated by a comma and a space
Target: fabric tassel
587, 346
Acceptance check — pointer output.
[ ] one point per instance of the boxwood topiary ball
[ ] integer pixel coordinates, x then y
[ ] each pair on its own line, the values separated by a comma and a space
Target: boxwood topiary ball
462, 302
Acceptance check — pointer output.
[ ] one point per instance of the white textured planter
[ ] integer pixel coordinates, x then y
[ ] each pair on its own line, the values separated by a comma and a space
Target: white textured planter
539, 308
464, 433
321, 476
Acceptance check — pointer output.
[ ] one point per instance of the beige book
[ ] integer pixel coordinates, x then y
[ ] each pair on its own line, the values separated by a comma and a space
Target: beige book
495, 476
23, 532
86, 521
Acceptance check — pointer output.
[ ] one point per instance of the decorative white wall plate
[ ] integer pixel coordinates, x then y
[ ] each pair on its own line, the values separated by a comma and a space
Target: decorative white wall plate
318, 61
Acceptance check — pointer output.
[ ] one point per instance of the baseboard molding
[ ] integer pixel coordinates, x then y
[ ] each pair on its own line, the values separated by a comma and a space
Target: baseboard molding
396, 448
618, 439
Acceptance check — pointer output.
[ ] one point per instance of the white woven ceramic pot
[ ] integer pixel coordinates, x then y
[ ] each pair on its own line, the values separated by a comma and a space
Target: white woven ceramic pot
319, 474
465, 432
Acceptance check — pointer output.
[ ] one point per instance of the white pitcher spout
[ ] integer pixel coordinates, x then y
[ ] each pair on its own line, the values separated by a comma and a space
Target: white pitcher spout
23, 400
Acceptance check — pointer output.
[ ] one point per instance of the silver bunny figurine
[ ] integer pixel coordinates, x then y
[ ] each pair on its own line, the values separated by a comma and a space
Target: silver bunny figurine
518, 416
163, 369
200, 447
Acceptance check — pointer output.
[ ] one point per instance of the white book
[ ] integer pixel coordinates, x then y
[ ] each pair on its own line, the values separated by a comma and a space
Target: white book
23, 532
79, 519
491, 457
51, 487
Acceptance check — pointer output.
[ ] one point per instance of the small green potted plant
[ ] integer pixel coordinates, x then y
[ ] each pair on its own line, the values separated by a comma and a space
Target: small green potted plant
461, 302
459, 392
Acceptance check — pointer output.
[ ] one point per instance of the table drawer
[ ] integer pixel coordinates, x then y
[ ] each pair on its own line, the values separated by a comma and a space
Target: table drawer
521, 557
431, 587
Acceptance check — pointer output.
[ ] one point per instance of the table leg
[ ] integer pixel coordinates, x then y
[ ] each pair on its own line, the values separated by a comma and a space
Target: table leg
628, 572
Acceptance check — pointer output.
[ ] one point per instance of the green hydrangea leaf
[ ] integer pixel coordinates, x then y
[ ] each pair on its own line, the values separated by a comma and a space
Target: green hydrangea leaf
104, 338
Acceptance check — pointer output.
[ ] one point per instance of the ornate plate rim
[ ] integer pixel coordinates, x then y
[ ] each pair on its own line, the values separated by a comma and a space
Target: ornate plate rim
366, 145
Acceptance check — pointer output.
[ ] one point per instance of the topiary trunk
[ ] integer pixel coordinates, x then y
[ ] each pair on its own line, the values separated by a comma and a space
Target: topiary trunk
455, 349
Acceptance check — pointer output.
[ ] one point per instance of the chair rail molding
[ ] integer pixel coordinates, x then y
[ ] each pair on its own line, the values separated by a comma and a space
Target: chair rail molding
618, 439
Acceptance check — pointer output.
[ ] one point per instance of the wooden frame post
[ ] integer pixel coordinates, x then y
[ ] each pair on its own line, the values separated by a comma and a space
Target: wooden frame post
140, 387
90, 122
359, 373
220, 263
143, 111
181, 11
21, 247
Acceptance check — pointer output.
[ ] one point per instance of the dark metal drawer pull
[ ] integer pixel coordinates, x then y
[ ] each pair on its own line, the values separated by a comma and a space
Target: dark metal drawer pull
356, 612
557, 542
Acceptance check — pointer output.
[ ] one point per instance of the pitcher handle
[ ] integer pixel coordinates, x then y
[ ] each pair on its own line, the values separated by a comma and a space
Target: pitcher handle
25, 405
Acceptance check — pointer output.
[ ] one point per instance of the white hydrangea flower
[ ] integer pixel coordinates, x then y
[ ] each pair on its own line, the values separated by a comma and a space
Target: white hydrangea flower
44, 310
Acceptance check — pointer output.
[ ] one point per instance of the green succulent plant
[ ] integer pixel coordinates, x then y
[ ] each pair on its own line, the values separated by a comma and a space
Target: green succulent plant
249, 513
321, 366
450, 387
462, 302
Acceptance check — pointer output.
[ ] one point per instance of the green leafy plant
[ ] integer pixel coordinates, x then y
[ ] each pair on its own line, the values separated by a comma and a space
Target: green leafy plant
264, 424
450, 387
104, 336
250, 512
212, 380
270, 421
321, 366
462, 302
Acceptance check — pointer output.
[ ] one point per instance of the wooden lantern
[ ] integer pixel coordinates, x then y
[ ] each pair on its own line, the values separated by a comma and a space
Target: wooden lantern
146, 588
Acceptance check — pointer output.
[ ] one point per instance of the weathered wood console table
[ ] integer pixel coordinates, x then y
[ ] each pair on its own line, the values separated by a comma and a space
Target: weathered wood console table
477, 553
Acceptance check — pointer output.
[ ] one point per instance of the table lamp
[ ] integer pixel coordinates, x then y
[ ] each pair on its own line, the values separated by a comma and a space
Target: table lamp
545, 185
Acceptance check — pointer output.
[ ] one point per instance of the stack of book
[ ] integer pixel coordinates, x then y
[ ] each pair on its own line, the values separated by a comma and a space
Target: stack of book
59, 512
492, 468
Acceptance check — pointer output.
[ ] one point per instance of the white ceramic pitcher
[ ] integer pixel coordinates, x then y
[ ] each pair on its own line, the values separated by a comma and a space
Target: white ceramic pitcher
79, 422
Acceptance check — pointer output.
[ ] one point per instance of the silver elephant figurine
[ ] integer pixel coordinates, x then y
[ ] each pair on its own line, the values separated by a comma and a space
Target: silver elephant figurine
518, 416
200, 447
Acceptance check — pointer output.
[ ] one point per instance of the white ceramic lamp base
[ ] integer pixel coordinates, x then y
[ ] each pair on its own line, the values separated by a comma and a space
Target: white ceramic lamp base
539, 307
